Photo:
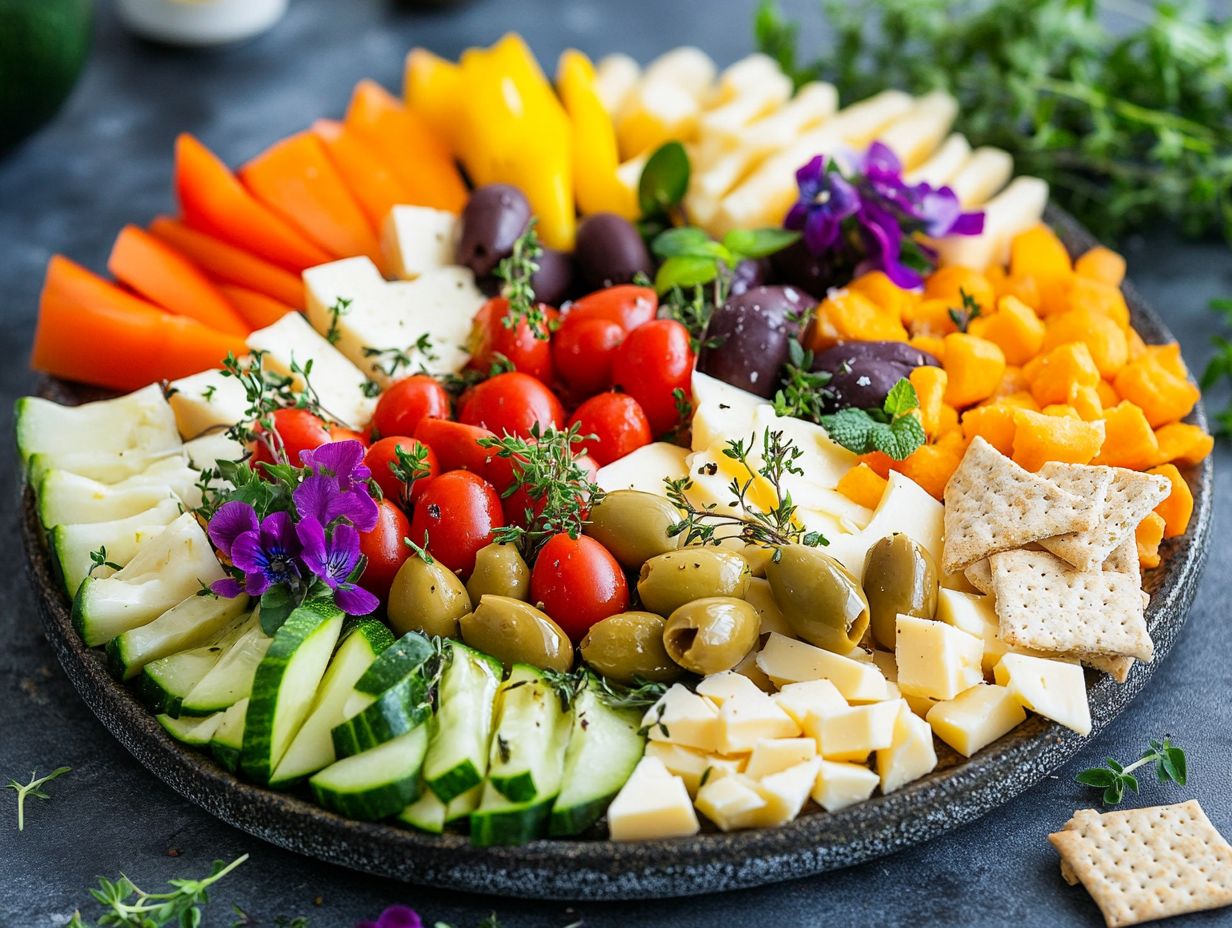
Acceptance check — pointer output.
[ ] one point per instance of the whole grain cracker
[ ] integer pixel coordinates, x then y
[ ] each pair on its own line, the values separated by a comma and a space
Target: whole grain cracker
992, 504
1143, 864
1046, 605
1129, 496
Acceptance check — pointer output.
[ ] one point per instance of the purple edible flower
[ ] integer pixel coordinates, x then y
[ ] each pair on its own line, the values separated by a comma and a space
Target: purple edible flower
341, 459
826, 199
333, 557
396, 916
322, 498
267, 555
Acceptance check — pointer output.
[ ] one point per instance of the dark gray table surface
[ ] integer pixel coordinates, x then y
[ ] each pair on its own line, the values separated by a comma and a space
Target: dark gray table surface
106, 161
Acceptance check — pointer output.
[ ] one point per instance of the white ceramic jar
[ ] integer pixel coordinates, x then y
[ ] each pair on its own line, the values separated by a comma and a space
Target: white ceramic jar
200, 22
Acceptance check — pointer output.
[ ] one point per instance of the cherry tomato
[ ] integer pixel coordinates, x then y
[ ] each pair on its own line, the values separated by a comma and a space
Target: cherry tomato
383, 455
457, 513
617, 423
512, 404
301, 430
583, 350
408, 402
654, 361
527, 347
517, 503
578, 583
384, 549
455, 445
627, 305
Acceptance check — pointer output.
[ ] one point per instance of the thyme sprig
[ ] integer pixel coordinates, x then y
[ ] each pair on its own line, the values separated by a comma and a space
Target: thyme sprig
128, 906
33, 788
805, 392
517, 272
410, 466
394, 360
693, 306
341, 307
642, 694
98, 560
1115, 778
971, 309
741, 519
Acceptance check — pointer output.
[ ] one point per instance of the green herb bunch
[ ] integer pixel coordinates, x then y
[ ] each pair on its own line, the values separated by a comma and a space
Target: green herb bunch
1115, 778
517, 273
892, 430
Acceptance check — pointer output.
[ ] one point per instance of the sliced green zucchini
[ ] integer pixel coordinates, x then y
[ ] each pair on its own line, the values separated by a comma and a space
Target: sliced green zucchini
604, 747
499, 820
458, 755
140, 420
459, 810
119, 541
527, 754
427, 813
407, 655
228, 740
377, 783
165, 682
170, 567
285, 684
368, 722
103, 466
230, 680
69, 499
194, 731
313, 747
189, 624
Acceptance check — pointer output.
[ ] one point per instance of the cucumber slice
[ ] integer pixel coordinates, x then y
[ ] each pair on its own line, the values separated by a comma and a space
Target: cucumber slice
527, 755
230, 680
500, 821
368, 722
103, 466
285, 683
189, 624
427, 813
458, 755
68, 499
228, 740
194, 731
407, 655
165, 682
121, 539
167, 570
140, 420
377, 783
604, 747
459, 810
313, 747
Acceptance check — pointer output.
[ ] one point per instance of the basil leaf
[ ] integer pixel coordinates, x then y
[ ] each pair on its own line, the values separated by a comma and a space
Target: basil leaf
1099, 777
664, 180
758, 243
685, 271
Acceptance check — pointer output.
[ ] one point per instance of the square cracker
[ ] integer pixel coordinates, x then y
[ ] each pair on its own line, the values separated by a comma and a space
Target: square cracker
992, 504
1128, 497
1144, 864
1046, 605
979, 575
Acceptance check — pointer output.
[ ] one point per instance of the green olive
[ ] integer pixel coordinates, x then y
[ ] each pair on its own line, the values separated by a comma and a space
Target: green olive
899, 576
761, 597
629, 645
711, 635
634, 526
515, 632
820, 599
499, 570
670, 580
758, 557
427, 597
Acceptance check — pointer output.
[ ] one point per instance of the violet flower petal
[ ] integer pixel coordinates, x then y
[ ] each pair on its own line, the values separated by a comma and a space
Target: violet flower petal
256, 583
227, 587
248, 554
312, 498
341, 459
311, 534
395, 916
343, 549
358, 507
278, 534
229, 522
355, 600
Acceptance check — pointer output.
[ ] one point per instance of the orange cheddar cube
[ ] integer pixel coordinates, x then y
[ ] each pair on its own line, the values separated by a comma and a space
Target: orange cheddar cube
1178, 507
948, 284
1102, 264
1055, 373
931, 318
1039, 252
931, 465
885, 293
1039, 438
848, 315
1103, 337
1107, 394
1163, 396
1095, 295
930, 383
974, 367
1169, 357
1087, 403
929, 344
862, 485
1014, 328
1183, 444
1148, 535
994, 423
1128, 439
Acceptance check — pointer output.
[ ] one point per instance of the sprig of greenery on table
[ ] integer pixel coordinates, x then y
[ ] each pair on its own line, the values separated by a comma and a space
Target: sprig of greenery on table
33, 788
127, 906
1129, 126
1115, 778
1219, 368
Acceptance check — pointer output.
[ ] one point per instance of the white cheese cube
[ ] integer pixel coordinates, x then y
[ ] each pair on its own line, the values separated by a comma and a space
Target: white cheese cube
720, 687
809, 702
935, 659
976, 717
920, 705
812, 105
687, 67
418, 239
208, 450
720, 411
942, 164
731, 802
907, 507
1015, 209
727, 122
785, 793
839, 785
974, 614
785, 660
910, 755
884, 660
682, 717
644, 469
750, 717
656, 111
761, 597
982, 175
205, 401
651, 804
1054, 689
771, 755
853, 733
711, 472
748, 669
686, 763
615, 76
916, 134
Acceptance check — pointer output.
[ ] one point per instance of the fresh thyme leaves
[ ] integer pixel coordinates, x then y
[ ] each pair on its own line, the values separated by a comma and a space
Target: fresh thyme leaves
341, 307
892, 430
707, 525
98, 560
208, 393
33, 788
410, 466
557, 490
1115, 778
641, 695
244, 920
127, 906
693, 307
971, 309
457, 384
1219, 368
517, 272
805, 392
656, 722
394, 360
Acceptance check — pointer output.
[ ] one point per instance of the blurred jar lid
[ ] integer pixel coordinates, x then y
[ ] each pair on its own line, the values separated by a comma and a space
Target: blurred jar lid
200, 22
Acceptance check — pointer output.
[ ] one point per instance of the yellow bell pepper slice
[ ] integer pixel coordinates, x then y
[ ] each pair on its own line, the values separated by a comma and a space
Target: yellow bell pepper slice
595, 153
432, 87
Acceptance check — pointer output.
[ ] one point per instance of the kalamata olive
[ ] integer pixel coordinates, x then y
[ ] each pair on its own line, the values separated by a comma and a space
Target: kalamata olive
633, 525
493, 218
515, 632
711, 635
748, 274
862, 373
501, 571
629, 645
553, 282
819, 598
670, 580
899, 576
427, 597
610, 251
799, 267
747, 339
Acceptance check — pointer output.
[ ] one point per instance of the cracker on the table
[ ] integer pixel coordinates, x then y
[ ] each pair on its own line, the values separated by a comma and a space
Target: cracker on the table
1128, 497
992, 504
1143, 864
1046, 605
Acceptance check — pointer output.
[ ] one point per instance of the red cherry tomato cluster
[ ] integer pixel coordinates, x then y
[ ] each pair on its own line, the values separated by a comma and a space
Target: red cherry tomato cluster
603, 363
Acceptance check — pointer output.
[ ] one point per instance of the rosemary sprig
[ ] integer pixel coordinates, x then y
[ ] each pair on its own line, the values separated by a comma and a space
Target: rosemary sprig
517, 273
1115, 778
33, 788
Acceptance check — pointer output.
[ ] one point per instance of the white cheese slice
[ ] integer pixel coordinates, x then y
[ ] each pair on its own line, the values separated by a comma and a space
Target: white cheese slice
720, 687
982, 175
682, 717
935, 659
772, 755
206, 401
904, 507
808, 702
721, 411
731, 802
943, 164
1015, 209
916, 134
208, 450
726, 124
910, 755
418, 239
749, 717
744, 76
975, 615
657, 110
761, 597
823, 461
1054, 689
644, 469
839, 785
785, 793
853, 733
651, 804
748, 668
615, 76
785, 660
976, 717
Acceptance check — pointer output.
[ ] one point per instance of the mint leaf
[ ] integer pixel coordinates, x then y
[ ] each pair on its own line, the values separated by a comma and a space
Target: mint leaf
890, 430
852, 428
901, 399
900, 438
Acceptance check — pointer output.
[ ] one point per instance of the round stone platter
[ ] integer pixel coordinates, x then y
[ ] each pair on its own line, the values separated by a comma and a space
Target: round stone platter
958, 791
